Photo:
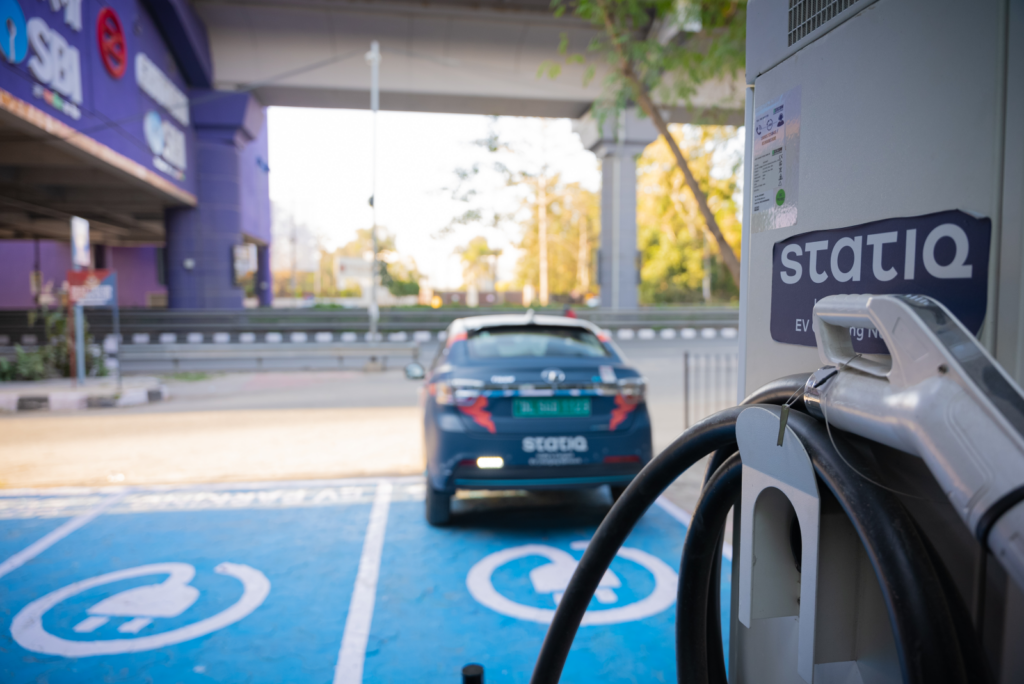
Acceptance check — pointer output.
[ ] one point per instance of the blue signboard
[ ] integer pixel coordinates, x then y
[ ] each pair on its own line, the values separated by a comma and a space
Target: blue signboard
943, 255
105, 71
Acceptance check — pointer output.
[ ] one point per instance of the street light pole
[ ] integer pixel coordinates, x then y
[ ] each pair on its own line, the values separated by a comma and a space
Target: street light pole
373, 59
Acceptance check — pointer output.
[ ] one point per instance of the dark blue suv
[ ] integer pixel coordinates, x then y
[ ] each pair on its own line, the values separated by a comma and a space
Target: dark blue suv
530, 402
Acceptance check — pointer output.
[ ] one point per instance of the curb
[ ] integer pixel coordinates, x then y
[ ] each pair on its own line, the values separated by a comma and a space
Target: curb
76, 400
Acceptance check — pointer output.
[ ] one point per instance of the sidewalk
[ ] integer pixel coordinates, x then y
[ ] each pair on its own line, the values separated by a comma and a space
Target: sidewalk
209, 446
62, 394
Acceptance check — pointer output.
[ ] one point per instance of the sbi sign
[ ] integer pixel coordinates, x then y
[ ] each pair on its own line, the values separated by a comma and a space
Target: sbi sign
942, 255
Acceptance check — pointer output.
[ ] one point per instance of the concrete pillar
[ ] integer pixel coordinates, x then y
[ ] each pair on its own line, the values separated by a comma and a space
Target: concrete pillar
200, 239
618, 146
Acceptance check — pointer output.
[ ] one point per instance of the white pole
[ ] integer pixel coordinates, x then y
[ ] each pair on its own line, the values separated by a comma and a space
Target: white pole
373, 59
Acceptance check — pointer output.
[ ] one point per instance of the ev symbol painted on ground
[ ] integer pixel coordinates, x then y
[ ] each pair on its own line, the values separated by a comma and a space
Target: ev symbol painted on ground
549, 581
136, 609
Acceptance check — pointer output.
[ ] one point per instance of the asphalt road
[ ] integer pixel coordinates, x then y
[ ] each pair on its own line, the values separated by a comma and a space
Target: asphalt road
279, 426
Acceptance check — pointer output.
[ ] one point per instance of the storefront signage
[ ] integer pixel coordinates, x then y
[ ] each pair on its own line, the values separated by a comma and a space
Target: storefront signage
79, 78
167, 142
14, 45
72, 12
110, 37
54, 62
943, 256
158, 86
92, 288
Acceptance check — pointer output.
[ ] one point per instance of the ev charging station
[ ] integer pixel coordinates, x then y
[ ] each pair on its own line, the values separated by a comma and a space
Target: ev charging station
875, 465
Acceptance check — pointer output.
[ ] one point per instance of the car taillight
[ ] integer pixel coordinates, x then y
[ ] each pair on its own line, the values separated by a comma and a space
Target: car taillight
443, 393
621, 459
632, 390
455, 392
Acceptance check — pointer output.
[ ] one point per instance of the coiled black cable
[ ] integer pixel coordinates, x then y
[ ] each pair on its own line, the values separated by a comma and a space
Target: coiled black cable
930, 645
710, 434
787, 389
715, 434
699, 656
926, 636
927, 641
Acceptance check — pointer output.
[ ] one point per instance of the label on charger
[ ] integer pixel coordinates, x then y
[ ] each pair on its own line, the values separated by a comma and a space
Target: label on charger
943, 256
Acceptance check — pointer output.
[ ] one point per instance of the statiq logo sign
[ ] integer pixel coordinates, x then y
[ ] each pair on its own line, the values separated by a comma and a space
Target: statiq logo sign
944, 256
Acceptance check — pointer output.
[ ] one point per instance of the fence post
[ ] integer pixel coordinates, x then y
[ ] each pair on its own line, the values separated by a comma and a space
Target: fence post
686, 390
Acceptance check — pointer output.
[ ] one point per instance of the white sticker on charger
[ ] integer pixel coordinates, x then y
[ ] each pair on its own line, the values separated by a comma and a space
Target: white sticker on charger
775, 174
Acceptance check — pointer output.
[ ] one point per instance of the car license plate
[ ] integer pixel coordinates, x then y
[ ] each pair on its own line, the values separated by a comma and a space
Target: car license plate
550, 408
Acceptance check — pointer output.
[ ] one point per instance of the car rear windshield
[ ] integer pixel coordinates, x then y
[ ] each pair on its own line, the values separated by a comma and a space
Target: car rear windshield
531, 340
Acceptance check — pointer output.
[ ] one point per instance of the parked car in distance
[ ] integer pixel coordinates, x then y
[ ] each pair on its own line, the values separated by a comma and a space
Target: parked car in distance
529, 402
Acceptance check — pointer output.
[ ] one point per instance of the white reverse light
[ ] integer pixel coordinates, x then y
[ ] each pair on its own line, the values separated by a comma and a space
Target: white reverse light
490, 462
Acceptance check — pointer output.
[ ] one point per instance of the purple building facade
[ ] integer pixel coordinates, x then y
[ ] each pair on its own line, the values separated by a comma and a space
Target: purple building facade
111, 115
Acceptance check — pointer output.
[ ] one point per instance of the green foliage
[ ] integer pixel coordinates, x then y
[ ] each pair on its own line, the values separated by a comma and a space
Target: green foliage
707, 40
191, 376
573, 217
478, 261
364, 242
400, 279
51, 359
677, 252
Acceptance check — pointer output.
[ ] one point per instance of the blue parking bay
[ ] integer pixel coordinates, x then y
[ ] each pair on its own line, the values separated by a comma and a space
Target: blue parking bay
259, 584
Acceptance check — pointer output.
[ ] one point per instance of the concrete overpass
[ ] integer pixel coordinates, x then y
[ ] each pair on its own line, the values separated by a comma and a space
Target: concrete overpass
452, 56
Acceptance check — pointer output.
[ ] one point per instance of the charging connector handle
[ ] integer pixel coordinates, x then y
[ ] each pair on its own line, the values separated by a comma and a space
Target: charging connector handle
942, 397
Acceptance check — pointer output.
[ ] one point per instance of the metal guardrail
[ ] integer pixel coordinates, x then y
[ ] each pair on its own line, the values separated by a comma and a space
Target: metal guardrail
710, 381
229, 325
170, 358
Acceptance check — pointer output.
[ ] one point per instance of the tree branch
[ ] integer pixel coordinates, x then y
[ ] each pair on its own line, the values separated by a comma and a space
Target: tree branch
643, 99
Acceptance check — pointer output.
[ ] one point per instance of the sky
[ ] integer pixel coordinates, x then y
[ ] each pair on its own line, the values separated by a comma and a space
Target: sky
320, 171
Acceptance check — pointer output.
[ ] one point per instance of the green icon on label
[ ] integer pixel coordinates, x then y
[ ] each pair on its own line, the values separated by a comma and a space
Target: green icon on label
780, 197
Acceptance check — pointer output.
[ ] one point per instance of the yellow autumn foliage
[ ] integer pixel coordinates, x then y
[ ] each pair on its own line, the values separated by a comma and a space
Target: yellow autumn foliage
677, 251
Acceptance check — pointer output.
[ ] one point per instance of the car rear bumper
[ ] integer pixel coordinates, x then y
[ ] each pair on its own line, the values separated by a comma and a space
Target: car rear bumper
603, 458
544, 477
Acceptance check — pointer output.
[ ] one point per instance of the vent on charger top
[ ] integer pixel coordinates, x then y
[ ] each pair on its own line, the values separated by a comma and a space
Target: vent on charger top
807, 16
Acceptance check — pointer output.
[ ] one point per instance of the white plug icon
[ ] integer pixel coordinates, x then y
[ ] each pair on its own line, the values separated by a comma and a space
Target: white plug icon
170, 598
554, 577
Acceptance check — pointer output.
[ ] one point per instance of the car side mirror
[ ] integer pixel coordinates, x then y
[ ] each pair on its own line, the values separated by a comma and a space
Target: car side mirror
415, 371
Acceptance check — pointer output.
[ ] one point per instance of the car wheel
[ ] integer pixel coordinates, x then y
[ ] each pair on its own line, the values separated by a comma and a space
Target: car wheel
616, 491
439, 507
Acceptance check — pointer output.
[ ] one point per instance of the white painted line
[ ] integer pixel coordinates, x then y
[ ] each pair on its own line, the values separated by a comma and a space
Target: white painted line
352, 655
37, 547
211, 487
685, 517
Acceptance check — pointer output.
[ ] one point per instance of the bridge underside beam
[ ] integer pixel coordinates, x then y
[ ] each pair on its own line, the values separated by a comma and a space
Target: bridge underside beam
488, 59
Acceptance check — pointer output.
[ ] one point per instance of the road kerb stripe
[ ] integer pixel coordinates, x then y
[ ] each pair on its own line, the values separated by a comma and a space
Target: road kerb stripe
352, 655
40, 545
686, 518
